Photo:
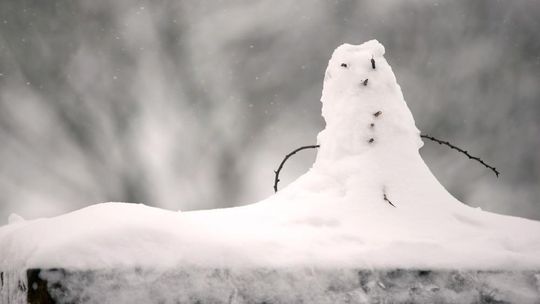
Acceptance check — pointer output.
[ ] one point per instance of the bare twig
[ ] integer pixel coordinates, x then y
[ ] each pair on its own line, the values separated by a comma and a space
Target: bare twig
442, 142
386, 199
276, 180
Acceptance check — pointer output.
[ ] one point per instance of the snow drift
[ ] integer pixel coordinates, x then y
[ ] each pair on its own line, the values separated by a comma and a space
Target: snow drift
369, 201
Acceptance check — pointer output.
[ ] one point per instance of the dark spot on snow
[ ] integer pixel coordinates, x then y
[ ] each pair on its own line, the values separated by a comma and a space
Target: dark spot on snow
344, 65
365, 82
371, 140
371, 125
372, 62
377, 114
423, 273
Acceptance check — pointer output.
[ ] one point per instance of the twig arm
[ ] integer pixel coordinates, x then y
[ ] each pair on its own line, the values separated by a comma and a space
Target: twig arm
276, 179
442, 142
439, 141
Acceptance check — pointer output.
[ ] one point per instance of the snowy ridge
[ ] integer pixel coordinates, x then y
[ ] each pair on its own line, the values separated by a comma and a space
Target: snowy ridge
334, 216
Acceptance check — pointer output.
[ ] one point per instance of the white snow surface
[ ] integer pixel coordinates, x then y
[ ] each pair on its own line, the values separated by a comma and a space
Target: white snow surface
333, 216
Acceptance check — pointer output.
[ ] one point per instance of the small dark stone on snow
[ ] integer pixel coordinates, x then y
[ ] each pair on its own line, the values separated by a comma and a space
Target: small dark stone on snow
344, 65
371, 140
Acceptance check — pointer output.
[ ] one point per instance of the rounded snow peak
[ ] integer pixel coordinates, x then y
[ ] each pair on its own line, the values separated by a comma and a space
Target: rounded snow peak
372, 46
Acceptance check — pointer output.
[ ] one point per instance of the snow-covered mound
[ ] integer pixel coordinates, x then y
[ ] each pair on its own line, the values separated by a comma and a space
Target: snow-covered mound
369, 201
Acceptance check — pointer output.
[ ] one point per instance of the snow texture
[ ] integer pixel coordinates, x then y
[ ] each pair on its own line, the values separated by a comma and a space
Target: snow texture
338, 215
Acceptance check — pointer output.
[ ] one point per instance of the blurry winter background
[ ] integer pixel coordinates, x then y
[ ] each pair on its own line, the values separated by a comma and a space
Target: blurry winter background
193, 104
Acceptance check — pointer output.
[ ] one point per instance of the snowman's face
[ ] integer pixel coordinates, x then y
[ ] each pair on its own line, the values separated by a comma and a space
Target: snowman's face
351, 70
348, 62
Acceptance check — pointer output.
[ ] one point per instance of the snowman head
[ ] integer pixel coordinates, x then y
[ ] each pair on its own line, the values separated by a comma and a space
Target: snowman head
350, 71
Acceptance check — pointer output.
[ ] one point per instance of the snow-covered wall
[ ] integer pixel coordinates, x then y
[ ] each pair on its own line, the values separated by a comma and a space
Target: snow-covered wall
13, 286
237, 286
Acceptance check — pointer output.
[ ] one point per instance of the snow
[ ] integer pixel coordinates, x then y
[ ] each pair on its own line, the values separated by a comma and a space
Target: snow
334, 216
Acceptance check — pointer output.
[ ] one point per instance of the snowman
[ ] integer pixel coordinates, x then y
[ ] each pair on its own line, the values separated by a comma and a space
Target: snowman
369, 147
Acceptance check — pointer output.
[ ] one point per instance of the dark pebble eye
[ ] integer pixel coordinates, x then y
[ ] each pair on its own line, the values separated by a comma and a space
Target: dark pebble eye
344, 65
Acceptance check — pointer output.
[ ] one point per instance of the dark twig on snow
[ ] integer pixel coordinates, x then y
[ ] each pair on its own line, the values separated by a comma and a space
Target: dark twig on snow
442, 142
276, 179
372, 62
365, 82
387, 200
